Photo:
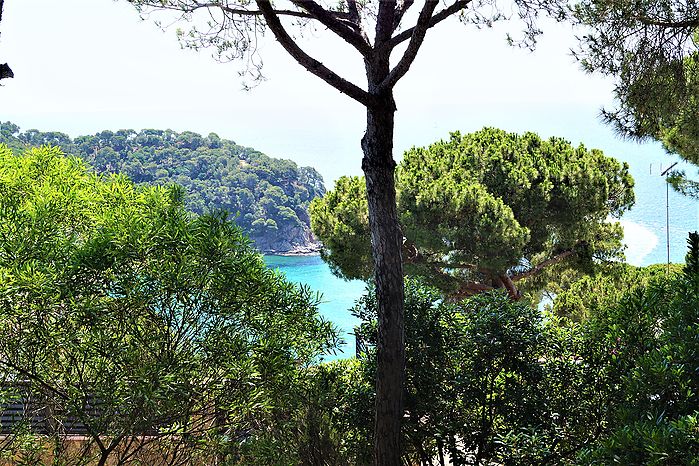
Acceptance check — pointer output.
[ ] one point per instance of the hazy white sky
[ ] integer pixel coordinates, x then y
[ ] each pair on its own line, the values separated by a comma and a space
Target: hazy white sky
82, 66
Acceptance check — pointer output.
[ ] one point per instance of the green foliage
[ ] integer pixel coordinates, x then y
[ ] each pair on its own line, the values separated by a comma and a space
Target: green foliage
269, 197
666, 110
121, 311
650, 48
592, 294
341, 220
651, 443
326, 422
336, 426
338, 417
691, 268
488, 380
645, 342
486, 205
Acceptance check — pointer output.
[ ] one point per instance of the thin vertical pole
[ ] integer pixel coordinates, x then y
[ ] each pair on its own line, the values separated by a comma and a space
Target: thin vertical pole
667, 213
667, 221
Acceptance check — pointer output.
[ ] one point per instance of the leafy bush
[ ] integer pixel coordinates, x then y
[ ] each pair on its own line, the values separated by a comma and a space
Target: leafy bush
488, 379
124, 315
649, 340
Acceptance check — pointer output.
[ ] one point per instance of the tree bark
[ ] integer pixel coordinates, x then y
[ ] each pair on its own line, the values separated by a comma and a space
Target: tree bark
386, 239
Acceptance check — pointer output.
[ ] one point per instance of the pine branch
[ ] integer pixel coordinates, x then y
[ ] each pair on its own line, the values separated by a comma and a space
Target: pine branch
309, 63
436, 19
349, 34
416, 39
538, 268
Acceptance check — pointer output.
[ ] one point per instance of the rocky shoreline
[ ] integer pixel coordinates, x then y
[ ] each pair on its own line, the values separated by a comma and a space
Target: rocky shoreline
311, 249
296, 241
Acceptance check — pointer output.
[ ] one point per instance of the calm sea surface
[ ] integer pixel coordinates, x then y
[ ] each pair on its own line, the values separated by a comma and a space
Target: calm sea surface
338, 295
644, 227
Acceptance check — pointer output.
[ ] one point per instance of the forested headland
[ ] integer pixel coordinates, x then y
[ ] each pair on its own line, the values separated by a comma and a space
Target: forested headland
267, 197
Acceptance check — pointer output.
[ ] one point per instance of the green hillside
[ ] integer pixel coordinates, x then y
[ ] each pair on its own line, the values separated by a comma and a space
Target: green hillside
269, 196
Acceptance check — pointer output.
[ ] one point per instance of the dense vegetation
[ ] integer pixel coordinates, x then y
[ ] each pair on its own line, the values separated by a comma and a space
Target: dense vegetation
486, 210
125, 315
493, 381
268, 197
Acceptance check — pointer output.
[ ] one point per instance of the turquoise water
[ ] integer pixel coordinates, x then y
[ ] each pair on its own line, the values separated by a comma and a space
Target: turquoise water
644, 226
338, 295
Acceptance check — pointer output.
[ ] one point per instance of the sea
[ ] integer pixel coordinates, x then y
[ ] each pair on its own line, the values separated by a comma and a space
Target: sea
646, 237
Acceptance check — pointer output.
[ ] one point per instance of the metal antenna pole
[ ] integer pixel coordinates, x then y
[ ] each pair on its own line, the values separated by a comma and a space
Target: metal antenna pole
667, 222
667, 213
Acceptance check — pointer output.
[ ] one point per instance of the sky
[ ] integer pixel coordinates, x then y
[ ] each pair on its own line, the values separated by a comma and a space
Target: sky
83, 66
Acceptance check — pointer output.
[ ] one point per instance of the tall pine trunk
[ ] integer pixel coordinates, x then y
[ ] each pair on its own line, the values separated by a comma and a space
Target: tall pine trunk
386, 239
